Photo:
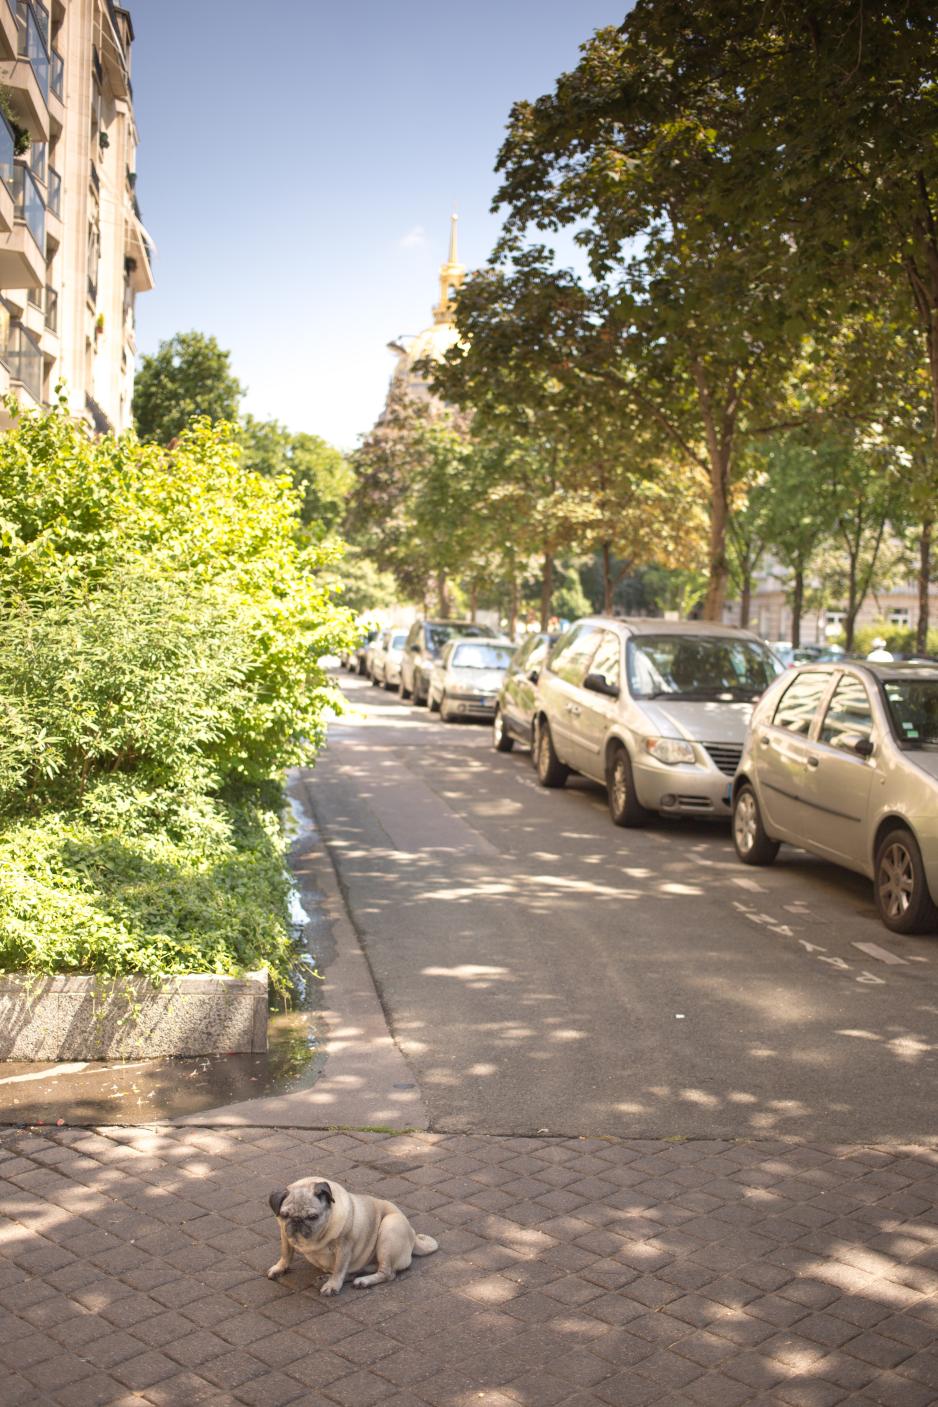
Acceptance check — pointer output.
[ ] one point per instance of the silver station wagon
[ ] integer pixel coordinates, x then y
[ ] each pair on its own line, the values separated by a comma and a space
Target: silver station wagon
657, 710
842, 760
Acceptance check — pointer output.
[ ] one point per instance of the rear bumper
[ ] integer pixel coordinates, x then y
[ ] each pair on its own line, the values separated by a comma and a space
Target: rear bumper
685, 791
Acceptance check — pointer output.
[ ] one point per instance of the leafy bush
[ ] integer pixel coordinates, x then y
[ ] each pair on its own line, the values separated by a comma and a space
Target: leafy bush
900, 639
162, 618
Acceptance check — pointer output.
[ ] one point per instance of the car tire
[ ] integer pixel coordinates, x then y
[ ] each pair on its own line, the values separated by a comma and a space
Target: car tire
445, 715
624, 805
752, 844
391, 688
902, 895
502, 741
551, 772
375, 681
433, 704
361, 669
403, 692
420, 697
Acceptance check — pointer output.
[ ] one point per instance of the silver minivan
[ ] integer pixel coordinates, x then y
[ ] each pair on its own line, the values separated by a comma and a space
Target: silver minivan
656, 710
842, 760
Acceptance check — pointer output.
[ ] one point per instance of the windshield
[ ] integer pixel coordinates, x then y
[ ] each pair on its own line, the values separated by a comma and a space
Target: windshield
397, 641
913, 705
699, 667
480, 656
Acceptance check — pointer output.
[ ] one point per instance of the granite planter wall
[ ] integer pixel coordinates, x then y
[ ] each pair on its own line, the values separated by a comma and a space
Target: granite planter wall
103, 1018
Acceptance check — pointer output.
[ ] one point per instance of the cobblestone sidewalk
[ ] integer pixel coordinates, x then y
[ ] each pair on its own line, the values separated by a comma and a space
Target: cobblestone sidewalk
581, 1272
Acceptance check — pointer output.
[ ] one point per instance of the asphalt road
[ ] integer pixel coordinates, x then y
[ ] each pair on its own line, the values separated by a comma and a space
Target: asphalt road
543, 970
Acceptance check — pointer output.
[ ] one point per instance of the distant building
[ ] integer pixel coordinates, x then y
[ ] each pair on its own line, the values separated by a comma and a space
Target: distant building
435, 341
73, 251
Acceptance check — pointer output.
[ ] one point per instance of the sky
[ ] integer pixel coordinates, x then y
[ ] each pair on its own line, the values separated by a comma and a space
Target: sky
297, 167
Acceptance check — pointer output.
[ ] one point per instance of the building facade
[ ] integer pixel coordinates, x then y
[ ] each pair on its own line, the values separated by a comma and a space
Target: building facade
73, 250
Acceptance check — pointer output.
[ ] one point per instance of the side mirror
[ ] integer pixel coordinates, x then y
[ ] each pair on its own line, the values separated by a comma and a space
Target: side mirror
600, 685
863, 747
534, 675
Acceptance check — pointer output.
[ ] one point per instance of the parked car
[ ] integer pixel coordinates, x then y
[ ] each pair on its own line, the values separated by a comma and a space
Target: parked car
515, 705
842, 760
354, 659
386, 659
656, 710
465, 680
424, 645
370, 651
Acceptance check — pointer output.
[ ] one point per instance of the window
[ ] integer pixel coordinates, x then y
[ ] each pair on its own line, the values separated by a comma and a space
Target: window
913, 707
799, 703
900, 615
571, 659
481, 655
848, 717
699, 667
605, 662
835, 618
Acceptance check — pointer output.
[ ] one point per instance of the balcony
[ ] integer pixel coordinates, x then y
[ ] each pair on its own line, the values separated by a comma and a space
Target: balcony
26, 72
52, 310
22, 356
57, 76
23, 250
54, 198
7, 153
9, 33
115, 43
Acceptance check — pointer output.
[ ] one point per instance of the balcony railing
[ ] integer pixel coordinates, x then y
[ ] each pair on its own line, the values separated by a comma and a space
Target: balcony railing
52, 310
7, 152
22, 357
33, 45
92, 289
100, 421
54, 198
95, 179
30, 207
57, 75
38, 156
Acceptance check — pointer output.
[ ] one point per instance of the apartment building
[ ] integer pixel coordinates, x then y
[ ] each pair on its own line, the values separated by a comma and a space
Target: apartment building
73, 250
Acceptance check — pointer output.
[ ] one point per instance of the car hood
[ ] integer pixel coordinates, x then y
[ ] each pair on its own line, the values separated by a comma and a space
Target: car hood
698, 720
925, 761
488, 679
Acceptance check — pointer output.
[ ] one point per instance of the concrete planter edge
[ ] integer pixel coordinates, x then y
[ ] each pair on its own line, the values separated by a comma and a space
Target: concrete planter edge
105, 1018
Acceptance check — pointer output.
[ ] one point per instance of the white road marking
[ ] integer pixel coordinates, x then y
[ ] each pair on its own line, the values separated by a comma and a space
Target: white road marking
870, 980
873, 950
750, 884
70, 1069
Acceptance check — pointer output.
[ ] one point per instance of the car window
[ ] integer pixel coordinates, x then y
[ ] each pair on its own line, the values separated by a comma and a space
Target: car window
538, 652
397, 640
481, 655
699, 667
849, 716
572, 659
605, 662
913, 706
799, 703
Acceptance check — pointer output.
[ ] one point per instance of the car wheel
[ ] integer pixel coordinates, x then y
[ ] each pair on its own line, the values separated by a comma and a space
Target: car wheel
445, 715
433, 703
403, 692
420, 697
361, 668
502, 741
375, 681
389, 686
551, 772
752, 844
902, 897
624, 805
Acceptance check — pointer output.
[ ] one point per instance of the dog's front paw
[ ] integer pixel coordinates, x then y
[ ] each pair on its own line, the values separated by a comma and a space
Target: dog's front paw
331, 1287
275, 1271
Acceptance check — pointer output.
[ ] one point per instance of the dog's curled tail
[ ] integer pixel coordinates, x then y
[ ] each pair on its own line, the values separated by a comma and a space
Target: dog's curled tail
425, 1246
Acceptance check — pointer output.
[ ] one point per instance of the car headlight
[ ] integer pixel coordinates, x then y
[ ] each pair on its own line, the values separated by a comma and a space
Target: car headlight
670, 750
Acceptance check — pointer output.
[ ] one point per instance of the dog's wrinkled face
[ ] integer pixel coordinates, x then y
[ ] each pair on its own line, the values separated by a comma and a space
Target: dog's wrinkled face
303, 1210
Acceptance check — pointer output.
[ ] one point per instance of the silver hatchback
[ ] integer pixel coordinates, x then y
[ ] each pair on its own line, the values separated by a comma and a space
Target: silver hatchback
657, 710
842, 760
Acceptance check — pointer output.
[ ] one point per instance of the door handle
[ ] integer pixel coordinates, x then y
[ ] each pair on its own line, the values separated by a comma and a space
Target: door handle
574, 709
765, 740
814, 762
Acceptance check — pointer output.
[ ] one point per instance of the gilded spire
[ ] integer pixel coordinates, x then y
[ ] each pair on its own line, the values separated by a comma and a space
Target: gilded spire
452, 274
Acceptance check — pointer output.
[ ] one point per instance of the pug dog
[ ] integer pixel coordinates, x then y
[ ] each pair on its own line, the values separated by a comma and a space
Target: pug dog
340, 1232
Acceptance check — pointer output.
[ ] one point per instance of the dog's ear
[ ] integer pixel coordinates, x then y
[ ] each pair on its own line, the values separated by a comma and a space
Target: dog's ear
322, 1189
277, 1199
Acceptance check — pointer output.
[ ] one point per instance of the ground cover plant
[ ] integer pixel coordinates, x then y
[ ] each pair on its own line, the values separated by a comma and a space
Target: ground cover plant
163, 615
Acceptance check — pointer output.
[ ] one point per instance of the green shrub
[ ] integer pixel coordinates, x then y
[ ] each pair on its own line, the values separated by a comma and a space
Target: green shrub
899, 638
162, 620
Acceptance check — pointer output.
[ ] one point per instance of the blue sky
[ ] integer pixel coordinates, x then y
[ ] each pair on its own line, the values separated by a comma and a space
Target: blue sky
298, 165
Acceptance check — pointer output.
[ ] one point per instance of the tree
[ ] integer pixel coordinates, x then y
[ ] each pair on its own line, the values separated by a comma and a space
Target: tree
321, 474
638, 149
187, 376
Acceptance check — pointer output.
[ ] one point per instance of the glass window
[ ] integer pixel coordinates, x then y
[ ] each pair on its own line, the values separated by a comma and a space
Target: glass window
397, 640
699, 667
799, 703
571, 660
605, 662
481, 655
849, 716
913, 706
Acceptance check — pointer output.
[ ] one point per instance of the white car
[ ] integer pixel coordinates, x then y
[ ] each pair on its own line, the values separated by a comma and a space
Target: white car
386, 658
842, 760
465, 680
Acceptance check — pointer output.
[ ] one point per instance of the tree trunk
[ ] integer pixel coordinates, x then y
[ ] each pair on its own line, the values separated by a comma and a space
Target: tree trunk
547, 589
473, 602
853, 606
719, 451
442, 591
924, 582
797, 605
607, 580
513, 609
745, 597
